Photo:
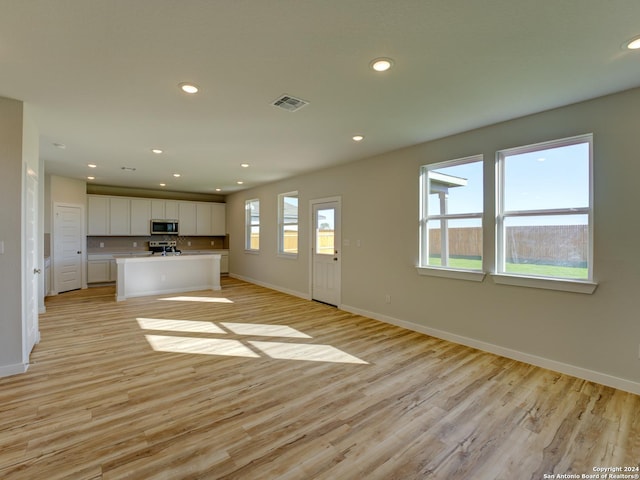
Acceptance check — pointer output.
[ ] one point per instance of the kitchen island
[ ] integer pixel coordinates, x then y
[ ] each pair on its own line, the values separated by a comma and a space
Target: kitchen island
158, 275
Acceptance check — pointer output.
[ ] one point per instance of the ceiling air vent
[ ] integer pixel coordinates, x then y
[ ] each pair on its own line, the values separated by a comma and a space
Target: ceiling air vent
289, 103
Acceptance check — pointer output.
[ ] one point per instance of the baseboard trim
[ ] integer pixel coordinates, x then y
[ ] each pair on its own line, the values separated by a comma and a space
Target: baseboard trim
15, 369
568, 369
294, 293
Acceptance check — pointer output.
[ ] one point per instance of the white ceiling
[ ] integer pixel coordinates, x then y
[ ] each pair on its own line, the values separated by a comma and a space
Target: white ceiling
102, 77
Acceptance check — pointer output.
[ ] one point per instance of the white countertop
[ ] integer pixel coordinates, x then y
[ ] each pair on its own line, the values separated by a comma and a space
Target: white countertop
108, 255
158, 257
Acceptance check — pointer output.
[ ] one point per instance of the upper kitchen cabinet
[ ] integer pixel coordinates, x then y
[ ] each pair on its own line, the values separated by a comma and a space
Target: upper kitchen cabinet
164, 209
218, 219
157, 210
111, 215
97, 215
140, 216
119, 216
108, 215
203, 219
210, 219
171, 210
187, 218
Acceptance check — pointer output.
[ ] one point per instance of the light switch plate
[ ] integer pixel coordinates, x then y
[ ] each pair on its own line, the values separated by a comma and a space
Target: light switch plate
1, 246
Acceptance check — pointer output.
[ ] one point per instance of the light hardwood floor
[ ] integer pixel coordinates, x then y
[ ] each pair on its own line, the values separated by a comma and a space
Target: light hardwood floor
261, 385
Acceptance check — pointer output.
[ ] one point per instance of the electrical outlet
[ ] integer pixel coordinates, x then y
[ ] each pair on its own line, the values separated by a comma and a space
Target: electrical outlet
188, 244
213, 243
1, 246
387, 298
101, 244
135, 244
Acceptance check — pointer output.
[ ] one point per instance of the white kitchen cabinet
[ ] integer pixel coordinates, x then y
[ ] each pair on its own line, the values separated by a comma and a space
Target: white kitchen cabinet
218, 220
108, 215
164, 209
98, 271
203, 219
122, 216
187, 218
157, 209
140, 216
119, 216
171, 210
97, 215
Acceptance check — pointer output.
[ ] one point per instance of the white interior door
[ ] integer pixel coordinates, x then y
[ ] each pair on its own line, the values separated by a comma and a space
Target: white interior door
31, 280
67, 248
326, 258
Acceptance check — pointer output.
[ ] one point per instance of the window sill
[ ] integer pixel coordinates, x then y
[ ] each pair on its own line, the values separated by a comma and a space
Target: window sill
575, 286
471, 275
290, 256
252, 252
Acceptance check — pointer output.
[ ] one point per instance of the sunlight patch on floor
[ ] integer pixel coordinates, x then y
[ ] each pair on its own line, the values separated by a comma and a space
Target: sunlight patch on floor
264, 330
179, 325
204, 346
198, 299
305, 351
240, 347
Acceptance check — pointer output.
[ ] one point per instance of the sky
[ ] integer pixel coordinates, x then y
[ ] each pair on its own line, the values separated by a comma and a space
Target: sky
552, 178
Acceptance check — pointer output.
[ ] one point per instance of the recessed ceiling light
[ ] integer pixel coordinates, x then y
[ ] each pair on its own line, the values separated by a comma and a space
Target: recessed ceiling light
91, 165
381, 64
91, 178
358, 138
157, 151
176, 175
163, 184
218, 189
244, 165
634, 43
189, 88
239, 182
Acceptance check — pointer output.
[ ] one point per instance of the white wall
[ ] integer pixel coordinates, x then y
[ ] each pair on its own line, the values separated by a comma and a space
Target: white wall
592, 336
66, 190
18, 151
11, 125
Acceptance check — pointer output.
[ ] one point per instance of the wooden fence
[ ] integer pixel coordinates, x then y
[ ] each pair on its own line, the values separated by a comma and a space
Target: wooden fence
546, 244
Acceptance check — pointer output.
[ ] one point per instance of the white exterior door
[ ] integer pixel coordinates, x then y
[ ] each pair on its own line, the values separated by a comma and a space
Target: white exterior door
326, 252
31, 280
68, 248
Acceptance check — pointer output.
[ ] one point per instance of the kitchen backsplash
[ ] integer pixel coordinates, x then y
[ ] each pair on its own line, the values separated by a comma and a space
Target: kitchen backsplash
126, 244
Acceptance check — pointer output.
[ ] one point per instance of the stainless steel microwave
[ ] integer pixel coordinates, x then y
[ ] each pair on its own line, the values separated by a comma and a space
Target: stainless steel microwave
164, 227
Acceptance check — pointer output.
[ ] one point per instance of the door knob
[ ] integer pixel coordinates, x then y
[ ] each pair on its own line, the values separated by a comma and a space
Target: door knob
36, 270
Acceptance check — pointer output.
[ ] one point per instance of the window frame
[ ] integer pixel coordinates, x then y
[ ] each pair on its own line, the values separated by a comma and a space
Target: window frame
282, 224
249, 225
446, 271
555, 283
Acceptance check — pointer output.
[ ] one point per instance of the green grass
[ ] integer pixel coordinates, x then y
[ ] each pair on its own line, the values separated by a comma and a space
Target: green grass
552, 271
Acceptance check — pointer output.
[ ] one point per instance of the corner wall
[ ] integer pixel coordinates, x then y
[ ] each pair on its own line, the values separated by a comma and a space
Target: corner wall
11, 125
592, 336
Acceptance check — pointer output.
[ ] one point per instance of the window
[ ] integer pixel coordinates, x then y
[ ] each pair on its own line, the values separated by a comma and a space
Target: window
451, 215
288, 224
544, 212
252, 225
